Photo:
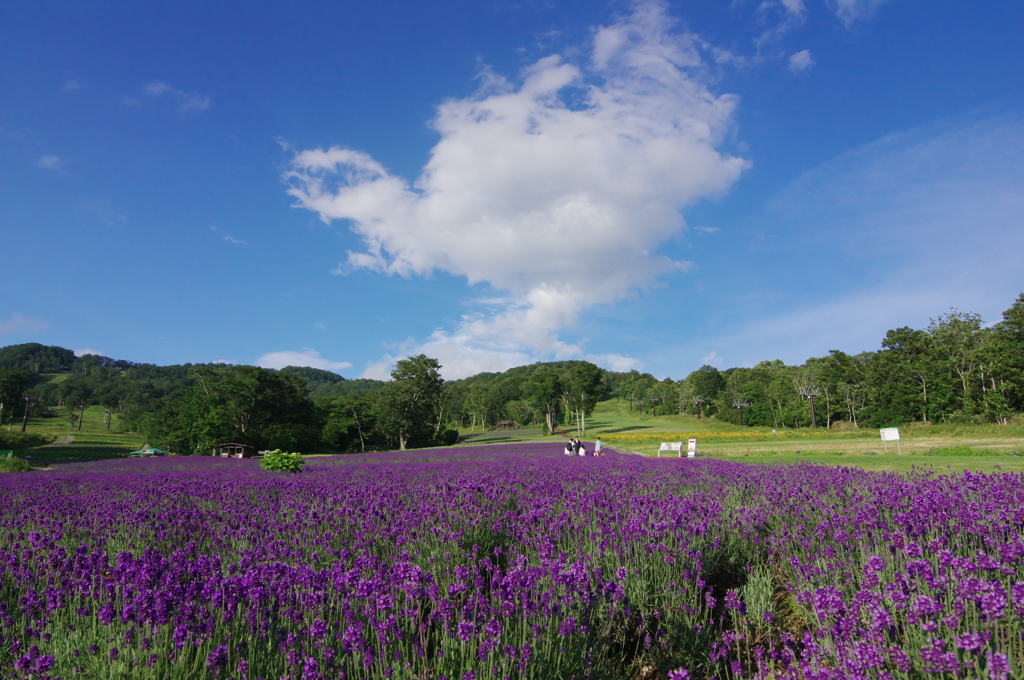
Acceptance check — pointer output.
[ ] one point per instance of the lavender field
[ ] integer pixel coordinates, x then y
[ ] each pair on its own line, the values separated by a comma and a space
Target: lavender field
508, 562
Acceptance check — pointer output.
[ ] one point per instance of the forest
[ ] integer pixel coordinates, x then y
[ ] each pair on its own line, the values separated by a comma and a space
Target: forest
956, 370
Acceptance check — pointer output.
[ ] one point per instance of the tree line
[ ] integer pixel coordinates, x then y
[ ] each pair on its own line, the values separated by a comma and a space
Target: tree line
957, 369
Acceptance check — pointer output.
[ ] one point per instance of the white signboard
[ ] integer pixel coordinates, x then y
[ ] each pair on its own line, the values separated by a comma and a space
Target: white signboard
691, 449
670, 446
890, 434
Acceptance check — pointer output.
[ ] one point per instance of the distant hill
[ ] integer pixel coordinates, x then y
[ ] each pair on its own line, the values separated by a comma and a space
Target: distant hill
36, 358
323, 383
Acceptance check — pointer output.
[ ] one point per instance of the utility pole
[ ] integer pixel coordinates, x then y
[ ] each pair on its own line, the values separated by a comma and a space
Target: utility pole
28, 405
740, 404
698, 401
811, 392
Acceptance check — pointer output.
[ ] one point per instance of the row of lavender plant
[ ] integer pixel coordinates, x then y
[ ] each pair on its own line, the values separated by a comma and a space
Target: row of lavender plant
507, 562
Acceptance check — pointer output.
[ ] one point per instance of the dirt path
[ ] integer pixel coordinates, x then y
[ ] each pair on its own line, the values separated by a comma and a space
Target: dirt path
67, 440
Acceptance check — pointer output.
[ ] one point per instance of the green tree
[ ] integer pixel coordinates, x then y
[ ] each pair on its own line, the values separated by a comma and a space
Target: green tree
544, 390
583, 387
706, 381
408, 404
255, 406
13, 383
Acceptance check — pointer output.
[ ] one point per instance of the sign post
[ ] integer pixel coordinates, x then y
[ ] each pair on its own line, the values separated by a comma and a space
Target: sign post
691, 449
670, 446
890, 434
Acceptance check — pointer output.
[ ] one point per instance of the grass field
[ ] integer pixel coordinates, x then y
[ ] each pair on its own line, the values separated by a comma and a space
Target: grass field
93, 442
943, 448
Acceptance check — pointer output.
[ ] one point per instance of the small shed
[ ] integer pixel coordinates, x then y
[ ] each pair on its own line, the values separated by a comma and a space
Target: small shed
506, 425
234, 450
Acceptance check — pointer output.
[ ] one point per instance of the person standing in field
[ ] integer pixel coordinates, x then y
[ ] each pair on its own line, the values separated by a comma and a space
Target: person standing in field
568, 448
598, 451
576, 445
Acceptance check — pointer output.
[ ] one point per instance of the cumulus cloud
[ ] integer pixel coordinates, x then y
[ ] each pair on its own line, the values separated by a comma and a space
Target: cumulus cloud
187, 101
852, 11
49, 162
18, 323
800, 61
307, 357
83, 352
555, 189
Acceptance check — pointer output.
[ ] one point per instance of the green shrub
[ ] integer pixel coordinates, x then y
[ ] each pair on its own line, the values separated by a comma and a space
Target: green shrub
446, 437
280, 461
14, 465
19, 440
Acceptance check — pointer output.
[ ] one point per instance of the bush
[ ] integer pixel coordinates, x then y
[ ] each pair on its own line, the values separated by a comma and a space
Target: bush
446, 437
18, 440
14, 465
279, 461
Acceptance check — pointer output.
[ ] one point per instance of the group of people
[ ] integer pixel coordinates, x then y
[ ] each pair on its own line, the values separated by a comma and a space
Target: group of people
574, 447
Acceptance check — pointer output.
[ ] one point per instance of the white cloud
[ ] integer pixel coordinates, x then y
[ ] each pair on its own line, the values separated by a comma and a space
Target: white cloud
711, 359
18, 323
307, 357
83, 352
73, 86
781, 17
615, 362
49, 162
852, 11
319, 325
231, 239
800, 61
561, 206
187, 101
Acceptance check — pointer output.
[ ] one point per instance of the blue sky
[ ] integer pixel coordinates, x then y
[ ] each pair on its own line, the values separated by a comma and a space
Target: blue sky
651, 185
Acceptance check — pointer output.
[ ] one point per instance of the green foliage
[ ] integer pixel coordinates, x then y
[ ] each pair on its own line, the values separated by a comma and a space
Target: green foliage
245, 404
35, 358
14, 465
446, 437
408, 408
322, 383
17, 440
279, 461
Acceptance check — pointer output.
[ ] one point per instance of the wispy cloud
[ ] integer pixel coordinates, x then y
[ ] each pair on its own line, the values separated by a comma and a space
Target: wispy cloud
852, 11
49, 162
187, 101
18, 323
73, 86
105, 211
231, 239
917, 222
562, 207
307, 357
800, 61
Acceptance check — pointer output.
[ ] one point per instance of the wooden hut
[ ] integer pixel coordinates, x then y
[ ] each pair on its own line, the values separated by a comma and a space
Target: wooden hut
234, 450
506, 425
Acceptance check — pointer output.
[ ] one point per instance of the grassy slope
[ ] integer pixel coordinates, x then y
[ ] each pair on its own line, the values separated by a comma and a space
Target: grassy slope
93, 441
